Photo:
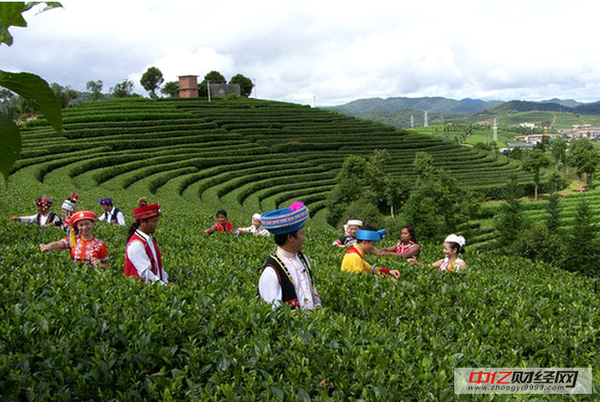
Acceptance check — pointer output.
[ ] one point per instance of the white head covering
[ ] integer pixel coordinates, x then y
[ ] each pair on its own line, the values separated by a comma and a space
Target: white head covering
456, 239
256, 216
354, 222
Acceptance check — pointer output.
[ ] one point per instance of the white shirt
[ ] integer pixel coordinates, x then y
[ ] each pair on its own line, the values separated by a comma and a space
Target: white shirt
270, 289
43, 219
261, 231
106, 217
136, 252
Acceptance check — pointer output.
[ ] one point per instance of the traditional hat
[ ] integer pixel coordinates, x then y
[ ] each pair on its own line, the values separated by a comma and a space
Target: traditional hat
456, 239
354, 222
370, 235
82, 216
285, 220
256, 216
43, 202
146, 212
105, 201
69, 203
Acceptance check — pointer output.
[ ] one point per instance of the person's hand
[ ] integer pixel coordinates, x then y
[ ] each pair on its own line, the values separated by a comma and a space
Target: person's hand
44, 248
412, 260
14, 218
379, 252
95, 261
395, 274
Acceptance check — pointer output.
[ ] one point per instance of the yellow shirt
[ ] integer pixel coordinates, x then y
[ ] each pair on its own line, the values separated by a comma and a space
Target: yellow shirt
354, 261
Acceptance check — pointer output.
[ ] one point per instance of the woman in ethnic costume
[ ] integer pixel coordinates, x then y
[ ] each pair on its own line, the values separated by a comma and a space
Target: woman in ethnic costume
453, 247
44, 217
83, 245
406, 248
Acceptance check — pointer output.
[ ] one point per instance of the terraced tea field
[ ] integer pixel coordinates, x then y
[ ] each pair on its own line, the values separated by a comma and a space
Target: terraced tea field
247, 155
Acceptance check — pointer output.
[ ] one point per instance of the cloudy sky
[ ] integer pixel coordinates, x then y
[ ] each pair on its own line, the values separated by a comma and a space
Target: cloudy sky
323, 52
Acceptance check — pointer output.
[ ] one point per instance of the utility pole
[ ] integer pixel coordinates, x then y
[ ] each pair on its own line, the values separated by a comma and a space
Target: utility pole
496, 130
426, 121
208, 90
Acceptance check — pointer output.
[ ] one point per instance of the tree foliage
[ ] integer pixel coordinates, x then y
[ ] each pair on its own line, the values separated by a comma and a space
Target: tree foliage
584, 158
95, 87
122, 89
30, 87
245, 84
151, 81
171, 89
535, 161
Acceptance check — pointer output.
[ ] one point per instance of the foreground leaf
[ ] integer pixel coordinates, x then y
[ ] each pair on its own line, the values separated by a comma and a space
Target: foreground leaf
38, 94
10, 145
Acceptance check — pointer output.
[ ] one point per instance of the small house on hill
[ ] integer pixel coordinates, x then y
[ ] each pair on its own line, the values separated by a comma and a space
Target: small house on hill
188, 88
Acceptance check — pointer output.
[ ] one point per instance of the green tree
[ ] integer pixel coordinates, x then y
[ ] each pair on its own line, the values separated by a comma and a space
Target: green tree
559, 152
553, 209
30, 87
171, 89
65, 95
122, 89
352, 185
151, 81
534, 163
583, 244
95, 87
213, 77
245, 84
423, 165
538, 243
584, 158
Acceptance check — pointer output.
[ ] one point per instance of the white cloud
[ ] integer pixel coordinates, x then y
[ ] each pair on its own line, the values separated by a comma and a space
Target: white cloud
297, 51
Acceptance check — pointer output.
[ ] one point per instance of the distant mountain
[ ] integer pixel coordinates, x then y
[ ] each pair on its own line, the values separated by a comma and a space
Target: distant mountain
564, 102
429, 104
546, 106
445, 106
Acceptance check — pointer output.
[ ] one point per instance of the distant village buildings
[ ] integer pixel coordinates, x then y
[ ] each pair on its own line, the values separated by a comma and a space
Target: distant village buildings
531, 140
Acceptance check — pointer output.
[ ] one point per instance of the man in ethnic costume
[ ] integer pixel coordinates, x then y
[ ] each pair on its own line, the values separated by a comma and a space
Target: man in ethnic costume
287, 277
143, 258
111, 213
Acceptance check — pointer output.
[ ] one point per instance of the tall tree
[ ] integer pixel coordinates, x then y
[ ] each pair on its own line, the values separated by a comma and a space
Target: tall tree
583, 244
151, 81
65, 95
95, 87
122, 89
213, 77
559, 152
352, 185
534, 163
584, 158
245, 84
553, 209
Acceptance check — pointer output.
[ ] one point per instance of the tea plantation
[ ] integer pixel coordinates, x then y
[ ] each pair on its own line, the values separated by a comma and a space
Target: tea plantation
69, 332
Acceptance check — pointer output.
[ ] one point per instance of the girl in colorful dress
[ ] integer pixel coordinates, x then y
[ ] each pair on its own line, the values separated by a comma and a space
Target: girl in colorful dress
453, 247
406, 248
222, 224
83, 245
